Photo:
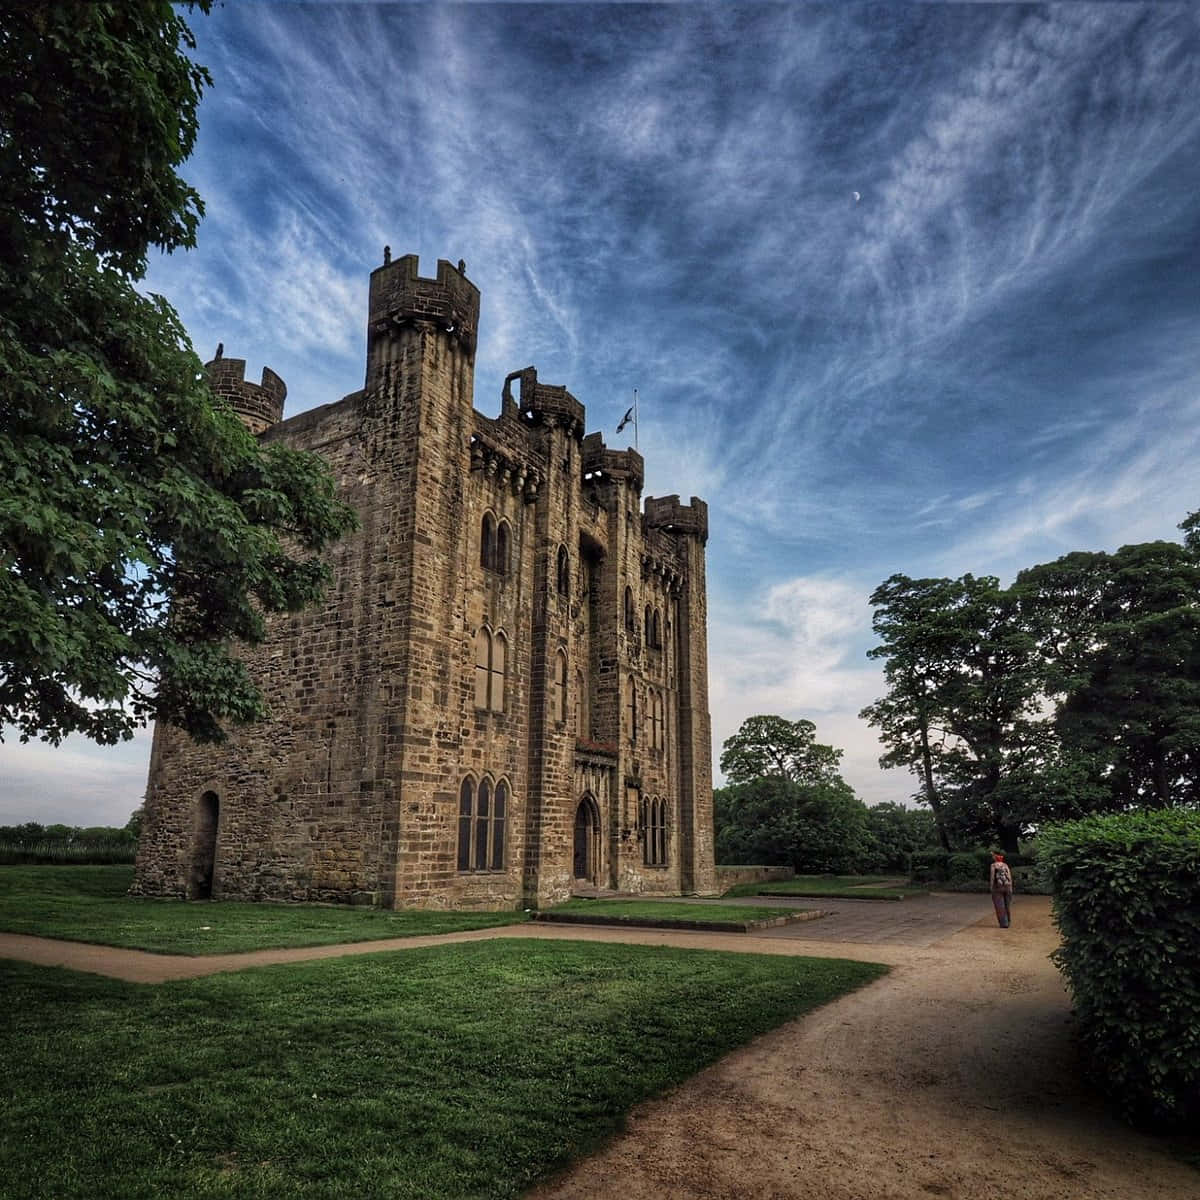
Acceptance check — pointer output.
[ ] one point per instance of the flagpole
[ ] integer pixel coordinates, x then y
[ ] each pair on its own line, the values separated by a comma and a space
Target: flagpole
635, 419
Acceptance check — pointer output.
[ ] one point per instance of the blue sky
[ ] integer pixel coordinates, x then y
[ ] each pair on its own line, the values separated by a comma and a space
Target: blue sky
903, 287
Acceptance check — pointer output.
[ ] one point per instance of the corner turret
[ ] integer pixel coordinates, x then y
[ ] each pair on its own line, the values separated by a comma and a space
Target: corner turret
399, 297
259, 405
666, 512
625, 465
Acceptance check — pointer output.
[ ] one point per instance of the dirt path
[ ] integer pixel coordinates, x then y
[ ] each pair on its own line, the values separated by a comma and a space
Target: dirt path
952, 1077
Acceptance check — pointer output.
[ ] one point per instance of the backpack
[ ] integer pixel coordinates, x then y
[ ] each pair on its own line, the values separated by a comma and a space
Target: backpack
1002, 877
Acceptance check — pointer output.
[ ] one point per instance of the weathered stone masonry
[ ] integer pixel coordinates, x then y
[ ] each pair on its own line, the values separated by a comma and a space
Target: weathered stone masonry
505, 694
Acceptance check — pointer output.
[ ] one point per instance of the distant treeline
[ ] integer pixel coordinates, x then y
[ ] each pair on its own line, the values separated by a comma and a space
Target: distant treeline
33, 843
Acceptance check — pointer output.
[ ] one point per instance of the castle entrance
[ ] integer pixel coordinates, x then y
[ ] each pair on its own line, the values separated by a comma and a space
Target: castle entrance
587, 841
204, 848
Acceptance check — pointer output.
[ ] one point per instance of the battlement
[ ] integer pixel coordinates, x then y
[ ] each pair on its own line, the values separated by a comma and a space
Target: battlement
544, 403
625, 465
400, 296
666, 512
260, 405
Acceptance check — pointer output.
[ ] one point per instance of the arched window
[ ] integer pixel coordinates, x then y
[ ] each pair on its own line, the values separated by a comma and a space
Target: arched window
491, 651
563, 572
558, 687
646, 626
654, 848
487, 542
482, 822
630, 619
466, 810
582, 721
631, 709
656, 631
503, 542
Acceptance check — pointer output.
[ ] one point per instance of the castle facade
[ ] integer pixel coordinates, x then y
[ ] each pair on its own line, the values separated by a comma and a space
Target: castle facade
503, 698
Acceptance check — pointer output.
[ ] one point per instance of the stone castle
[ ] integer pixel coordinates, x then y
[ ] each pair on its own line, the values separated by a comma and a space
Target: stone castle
504, 697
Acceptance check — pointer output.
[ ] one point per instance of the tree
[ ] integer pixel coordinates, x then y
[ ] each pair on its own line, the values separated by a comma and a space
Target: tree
1120, 639
897, 833
964, 701
775, 746
142, 528
815, 828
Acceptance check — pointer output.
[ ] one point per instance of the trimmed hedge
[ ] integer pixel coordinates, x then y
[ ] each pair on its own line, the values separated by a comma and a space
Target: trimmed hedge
1127, 902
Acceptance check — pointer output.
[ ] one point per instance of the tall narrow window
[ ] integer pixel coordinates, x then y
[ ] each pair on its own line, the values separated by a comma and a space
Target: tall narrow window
630, 618
503, 542
466, 806
496, 675
646, 626
654, 847
563, 572
656, 631
499, 815
483, 824
582, 722
483, 665
631, 708
487, 542
490, 657
655, 705
558, 697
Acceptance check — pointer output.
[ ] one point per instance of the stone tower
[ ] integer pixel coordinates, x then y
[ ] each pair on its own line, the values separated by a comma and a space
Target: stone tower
504, 697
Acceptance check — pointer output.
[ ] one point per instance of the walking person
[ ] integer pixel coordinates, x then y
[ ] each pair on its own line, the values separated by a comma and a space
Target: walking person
1001, 882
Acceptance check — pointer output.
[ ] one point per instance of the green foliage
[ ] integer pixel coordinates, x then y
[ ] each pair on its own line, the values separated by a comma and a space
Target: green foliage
962, 709
1127, 902
89, 904
968, 866
897, 833
32, 843
142, 528
468, 1070
774, 746
818, 827
1120, 636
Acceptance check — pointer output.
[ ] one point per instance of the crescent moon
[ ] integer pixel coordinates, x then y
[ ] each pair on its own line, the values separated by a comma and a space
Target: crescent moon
857, 196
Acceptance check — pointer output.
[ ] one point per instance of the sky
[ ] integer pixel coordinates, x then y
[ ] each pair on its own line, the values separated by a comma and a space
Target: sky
903, 288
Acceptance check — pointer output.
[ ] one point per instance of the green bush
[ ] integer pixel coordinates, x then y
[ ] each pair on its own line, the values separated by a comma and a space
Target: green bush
1127, 902
930, 866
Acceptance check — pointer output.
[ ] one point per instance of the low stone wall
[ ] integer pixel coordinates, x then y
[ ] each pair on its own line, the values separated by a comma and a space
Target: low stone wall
728, 877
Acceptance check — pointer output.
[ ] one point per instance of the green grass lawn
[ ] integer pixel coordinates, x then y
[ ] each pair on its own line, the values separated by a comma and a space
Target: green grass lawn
667, 910
850, 887
455, 1071
88, 904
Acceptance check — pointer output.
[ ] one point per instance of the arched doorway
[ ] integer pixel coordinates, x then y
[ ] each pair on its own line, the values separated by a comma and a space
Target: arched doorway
587, 841
204, 847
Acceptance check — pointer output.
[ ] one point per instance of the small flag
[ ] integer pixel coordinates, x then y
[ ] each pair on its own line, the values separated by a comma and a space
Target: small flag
625, 419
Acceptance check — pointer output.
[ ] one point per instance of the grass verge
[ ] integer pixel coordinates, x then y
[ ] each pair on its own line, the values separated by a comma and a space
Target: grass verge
88, 904
452, 1071
849, 887
658, 912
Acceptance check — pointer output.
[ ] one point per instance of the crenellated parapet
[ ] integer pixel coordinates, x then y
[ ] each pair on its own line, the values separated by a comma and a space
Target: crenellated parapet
259, 405
666, 512
400, 297
504, 470
600, 462
544, 403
